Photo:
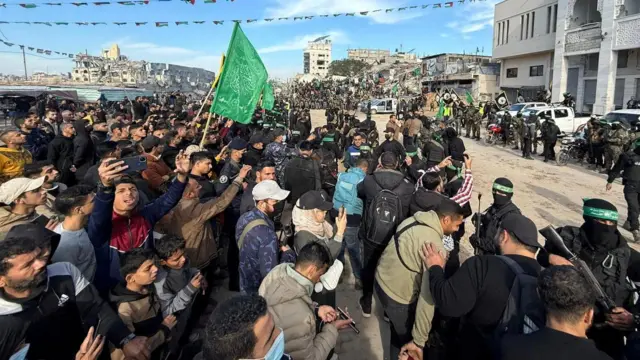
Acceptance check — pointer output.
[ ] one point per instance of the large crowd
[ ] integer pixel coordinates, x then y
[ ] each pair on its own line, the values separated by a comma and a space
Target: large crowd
120, 222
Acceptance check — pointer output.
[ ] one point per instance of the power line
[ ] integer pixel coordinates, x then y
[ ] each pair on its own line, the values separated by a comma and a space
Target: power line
44, 57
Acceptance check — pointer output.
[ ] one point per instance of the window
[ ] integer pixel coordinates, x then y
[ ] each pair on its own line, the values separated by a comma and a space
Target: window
536, 70
544, 114
526, 33
592, 62
548, 19
499, 32
623, 59
555, 17
503, 33
507, 32
561, 113
521, 27
533, 22
512, 73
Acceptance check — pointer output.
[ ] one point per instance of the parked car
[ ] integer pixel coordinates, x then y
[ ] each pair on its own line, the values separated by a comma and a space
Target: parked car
381, 106
520, 107
628, 117
563, 116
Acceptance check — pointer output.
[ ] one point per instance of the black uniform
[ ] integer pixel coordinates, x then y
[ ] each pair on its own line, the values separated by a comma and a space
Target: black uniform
302, 174
393, 146
549, 344
434, 152
550, 138
489, 225
629, 164
252, 156
232, 213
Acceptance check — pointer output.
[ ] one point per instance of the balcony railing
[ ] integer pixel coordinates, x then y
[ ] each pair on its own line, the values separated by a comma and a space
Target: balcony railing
583, 39
627, 30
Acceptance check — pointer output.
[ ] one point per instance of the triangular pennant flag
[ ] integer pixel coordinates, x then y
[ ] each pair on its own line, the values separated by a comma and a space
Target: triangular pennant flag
79, 3
364, 13
141, 23
23, 22
98, 23
350, 14
162, 24
40, 51
28, 6
98, 3
193, 2
218, 22
376, 10
337, 14
308, 17
324, 15
268, 20
71, 56
30, 48
48, 52
402, 9
237, 21
209, 1
42, 23
297, 18
3, 5
435, 6
82, 23
413, 7
182, 23
120, 23
64, 54
53, 4
128, 3
8, 43
448, 4
425, 6
198, 22
251, 20
388, 10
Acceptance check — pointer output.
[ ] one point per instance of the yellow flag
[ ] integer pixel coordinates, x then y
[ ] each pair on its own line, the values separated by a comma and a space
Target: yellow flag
215, 82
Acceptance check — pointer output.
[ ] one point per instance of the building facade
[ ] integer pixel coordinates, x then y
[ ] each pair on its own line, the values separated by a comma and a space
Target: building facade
317, 57
370, 56
475, 74
589, 48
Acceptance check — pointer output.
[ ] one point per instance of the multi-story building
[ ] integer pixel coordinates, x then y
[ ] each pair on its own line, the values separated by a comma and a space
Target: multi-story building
370, 56
477, 74
115, 69
589, 48
317, 57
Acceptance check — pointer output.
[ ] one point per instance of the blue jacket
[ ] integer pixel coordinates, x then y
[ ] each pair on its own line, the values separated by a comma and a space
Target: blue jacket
259, 252
37, 144
112, 234
346, 193
351, 155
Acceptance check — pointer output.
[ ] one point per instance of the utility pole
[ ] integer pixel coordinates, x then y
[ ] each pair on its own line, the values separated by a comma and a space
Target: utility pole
24, 61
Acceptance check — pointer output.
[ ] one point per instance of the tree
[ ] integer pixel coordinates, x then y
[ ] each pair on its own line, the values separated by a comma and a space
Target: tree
347, 67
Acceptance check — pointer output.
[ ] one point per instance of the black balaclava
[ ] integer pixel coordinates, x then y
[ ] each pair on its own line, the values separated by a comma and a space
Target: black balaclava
600, 236
412, 152
502, 191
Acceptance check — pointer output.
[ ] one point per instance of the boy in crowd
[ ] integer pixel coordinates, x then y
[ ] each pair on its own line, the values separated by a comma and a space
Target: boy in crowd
177, 283
136, 303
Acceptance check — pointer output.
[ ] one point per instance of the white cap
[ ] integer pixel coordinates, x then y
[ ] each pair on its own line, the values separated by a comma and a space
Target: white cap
269, 189
12, 189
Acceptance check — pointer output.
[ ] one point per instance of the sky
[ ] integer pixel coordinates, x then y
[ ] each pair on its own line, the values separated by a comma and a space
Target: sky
463, 27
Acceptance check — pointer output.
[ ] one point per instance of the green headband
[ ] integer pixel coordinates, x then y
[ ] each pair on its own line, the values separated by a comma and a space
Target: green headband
600, 213
365, 148
327, 139
502, 188
636, 143
412, 154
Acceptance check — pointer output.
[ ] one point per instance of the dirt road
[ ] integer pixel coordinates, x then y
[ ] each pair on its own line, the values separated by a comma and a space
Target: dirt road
545, 192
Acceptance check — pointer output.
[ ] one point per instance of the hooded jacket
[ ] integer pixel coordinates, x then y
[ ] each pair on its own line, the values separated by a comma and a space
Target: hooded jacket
410, 285
388, 179
60, 154
288, 296
83, 150
173, 288
54, 318
9, 220
456, 145
141, 314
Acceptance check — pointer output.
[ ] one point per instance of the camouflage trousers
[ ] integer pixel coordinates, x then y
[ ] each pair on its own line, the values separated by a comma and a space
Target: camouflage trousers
611, 155
518, 141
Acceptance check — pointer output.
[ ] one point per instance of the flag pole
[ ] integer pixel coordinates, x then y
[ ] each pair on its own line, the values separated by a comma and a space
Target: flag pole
204, 101
206, 129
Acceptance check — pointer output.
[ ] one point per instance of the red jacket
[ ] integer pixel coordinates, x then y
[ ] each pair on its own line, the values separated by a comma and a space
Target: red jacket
156, 169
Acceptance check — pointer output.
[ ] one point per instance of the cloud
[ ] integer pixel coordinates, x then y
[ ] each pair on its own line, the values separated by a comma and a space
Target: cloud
474, 16
473, 27
300, 42
289, 8
444, 35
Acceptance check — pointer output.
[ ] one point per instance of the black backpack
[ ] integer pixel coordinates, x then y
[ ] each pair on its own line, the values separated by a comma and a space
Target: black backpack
383, 217
524, 313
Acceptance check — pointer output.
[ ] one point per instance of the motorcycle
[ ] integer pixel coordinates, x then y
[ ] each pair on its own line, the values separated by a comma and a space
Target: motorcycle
494, 134
572, 149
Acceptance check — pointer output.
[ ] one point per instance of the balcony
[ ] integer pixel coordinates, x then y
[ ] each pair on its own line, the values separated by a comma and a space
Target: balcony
583, 40
627, 30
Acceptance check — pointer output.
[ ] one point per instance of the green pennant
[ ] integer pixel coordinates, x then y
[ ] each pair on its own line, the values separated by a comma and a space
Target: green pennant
209, 1
198, 22
182, 23
28, 6
162, 24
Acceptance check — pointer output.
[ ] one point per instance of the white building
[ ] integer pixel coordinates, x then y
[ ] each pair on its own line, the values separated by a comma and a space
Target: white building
370, 56
317, 57
589, 48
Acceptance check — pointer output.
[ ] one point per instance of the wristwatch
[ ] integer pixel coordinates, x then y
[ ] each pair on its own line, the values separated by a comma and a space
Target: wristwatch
126, 340
105, 189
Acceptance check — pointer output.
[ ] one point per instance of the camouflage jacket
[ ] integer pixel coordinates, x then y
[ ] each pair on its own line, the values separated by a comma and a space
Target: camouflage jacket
617, 137
279, 153
259, 251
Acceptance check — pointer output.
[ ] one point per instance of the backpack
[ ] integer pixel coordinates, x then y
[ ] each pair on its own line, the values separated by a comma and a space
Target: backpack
346, 192
524, 313
383, 216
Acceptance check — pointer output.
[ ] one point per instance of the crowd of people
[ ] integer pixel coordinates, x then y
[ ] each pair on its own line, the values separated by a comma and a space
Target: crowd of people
120, 223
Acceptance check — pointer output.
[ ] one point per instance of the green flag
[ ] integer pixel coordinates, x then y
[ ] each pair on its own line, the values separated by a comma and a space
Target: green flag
267, 97
469, 98
241, 81
394, 89
440, 113
416, 72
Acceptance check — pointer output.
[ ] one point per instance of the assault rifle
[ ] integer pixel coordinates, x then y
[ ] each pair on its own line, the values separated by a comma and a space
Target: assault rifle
551, 235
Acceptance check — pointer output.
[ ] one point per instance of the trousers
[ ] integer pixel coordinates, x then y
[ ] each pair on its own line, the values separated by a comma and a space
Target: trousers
370, 257
549, 151
632, 196
526, 147
401, 319
351, 242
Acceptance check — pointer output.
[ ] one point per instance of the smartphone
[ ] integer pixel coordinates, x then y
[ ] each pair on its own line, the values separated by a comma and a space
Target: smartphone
41, 220
456, 163
343, 315
134, 163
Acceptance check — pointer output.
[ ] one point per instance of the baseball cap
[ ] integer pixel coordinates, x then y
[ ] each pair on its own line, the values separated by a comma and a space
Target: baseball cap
256, 138
523, 228
13, 188
315, 199
238, 144
150, 142
269, 189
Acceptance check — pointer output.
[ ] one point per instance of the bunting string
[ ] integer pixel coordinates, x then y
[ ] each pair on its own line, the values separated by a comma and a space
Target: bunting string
102, 3
42, 51
364, 13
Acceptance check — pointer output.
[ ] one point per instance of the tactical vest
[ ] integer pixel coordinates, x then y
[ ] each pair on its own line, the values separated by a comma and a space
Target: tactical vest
436, 152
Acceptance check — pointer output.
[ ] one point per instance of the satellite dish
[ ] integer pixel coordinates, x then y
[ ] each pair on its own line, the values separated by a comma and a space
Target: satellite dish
321, 38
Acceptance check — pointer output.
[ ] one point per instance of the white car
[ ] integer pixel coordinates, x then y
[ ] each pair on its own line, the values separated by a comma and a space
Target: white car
629, 117
563, 116
516, 108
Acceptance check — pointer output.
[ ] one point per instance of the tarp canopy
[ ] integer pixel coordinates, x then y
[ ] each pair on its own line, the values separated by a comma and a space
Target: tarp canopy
35, 91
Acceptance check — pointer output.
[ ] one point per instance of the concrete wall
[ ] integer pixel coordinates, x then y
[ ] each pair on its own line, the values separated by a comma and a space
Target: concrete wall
535, 38
523, 63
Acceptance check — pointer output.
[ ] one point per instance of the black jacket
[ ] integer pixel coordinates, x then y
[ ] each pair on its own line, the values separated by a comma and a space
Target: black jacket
252, 156
302, 174
98, 137
56, 320
169, 156
549, 344
83, 150
456, 147
390, 180
393, 146
60, 155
